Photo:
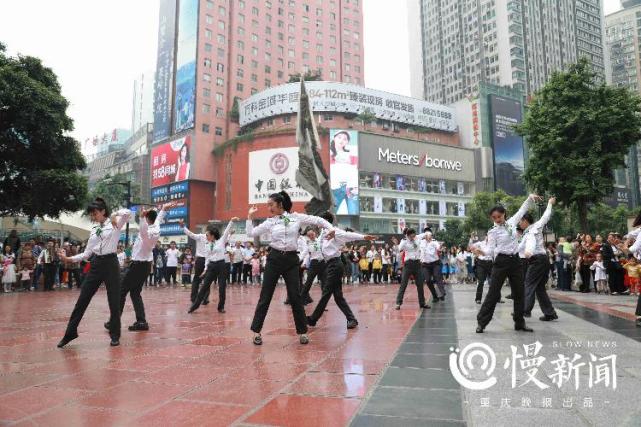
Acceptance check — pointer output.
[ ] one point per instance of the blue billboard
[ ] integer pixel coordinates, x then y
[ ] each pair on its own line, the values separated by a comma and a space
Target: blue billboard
509, 159
185, 91
164, 70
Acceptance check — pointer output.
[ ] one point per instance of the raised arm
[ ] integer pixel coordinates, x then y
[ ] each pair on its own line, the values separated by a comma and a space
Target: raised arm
545, 218
514, 220
228, 231
84, 255
123, 218
314, 220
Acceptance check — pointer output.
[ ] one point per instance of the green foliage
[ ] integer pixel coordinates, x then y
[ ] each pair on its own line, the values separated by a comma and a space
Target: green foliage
453, 235
578, 132
602, 219
234, 114
39, 163
366, 117
309, 76
478, 215
114, 194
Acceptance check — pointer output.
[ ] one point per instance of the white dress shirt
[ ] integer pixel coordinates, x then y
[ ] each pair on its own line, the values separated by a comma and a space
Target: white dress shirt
103, 239
201, 242
237, 254
635, 249
599, 271
482, 246
429, 251
216, 250
312, 249
332, 248
412, 248
532, 242
284, 229
172, 257
148, 235
122, 257
503, 238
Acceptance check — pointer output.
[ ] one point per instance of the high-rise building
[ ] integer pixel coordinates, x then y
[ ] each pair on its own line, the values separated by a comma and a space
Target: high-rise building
212, 54
516, 43
143, 101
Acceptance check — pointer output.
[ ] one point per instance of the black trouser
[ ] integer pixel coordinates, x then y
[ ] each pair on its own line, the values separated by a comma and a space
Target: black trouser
431, 272
237, 271
247, 273
615, 278
638, 310
75, 273
198, 270
586, 275
333, 285
132, 283
377, 273
103, 269
412, 267
50, 276
170, 273
505, 267
483, 272
228, 271
287, 265
386, 272
215, 272
536, 277
316, 269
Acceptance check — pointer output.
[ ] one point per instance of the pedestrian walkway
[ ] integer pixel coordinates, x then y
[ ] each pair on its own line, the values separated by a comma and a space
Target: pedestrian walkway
418, 388
194, 370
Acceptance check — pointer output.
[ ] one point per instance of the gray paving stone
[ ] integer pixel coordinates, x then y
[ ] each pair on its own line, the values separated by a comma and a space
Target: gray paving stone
412, 403
419, 378
384, 421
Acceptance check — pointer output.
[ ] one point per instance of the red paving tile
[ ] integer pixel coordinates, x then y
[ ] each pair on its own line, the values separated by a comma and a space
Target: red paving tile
305, 411
328, 384
192, 370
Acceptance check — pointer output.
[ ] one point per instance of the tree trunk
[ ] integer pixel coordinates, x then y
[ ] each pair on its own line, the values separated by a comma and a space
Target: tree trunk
583, 215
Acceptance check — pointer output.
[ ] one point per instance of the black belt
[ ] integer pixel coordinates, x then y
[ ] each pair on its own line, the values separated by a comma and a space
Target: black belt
429, 263
106, 256
411, 260
278, 251
508, 255
200, 257
536, 257
336, 258
217, 261
139, 262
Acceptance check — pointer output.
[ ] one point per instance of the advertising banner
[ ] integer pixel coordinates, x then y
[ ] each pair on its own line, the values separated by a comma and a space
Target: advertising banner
509, 161
170, 162
164, 70
179, 193
343, 170
348, 98
274, 170
185, 105
168, 193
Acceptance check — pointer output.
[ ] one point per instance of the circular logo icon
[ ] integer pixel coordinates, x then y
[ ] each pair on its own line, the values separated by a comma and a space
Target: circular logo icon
279, 163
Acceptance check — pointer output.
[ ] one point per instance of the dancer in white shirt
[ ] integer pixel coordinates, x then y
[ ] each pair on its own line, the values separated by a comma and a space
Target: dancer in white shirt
283, 259
171, 267
312, 253
201, 261
216, 269
140, 265
101, 246
411, 267
503, 246
333, 284
431, 263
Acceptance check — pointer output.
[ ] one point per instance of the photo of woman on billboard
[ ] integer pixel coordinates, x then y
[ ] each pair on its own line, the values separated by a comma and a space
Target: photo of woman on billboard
343, 155
183, 165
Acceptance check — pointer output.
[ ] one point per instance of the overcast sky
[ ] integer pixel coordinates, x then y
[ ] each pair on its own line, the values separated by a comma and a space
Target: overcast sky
97, 48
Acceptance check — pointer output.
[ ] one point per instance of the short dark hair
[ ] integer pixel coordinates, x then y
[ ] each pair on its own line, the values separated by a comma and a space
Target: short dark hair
498, 208
328, 216
152, 215
214, 231
528, 217
98, 204
409, 231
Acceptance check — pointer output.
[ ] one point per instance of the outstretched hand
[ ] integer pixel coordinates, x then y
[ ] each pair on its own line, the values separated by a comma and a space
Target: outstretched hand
330, 235
552, 200
181, 223
252, 211
535, 197
235, 219
369, 237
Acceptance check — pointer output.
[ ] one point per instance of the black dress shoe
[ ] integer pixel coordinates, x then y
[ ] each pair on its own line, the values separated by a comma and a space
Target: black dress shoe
509, 296
548, 318
192, 309
425, 306
66, 340
351, 324
479, 329
205, 302
523, 328
435, 299
115, 342
139, 326
107, 326
310, 321
527, 314
286, 302
221, 310
478, 301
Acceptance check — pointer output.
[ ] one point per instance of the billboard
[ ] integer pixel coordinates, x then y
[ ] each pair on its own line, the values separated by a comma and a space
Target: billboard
170, 162
347, 98
185, 104
343, 170
178, 193
509, 160
164, 70
274, 170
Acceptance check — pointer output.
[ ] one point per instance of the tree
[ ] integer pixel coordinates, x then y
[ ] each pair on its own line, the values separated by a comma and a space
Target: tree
366, 116
578, 132
114, 194
478, 212
308, 76
39, 162
453, 234
234, 113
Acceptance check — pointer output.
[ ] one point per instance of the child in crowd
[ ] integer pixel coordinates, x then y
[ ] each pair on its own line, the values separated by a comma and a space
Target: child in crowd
25, 279
187, 265
377, 268
600, 276
633, 269
363, 266
255, 264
